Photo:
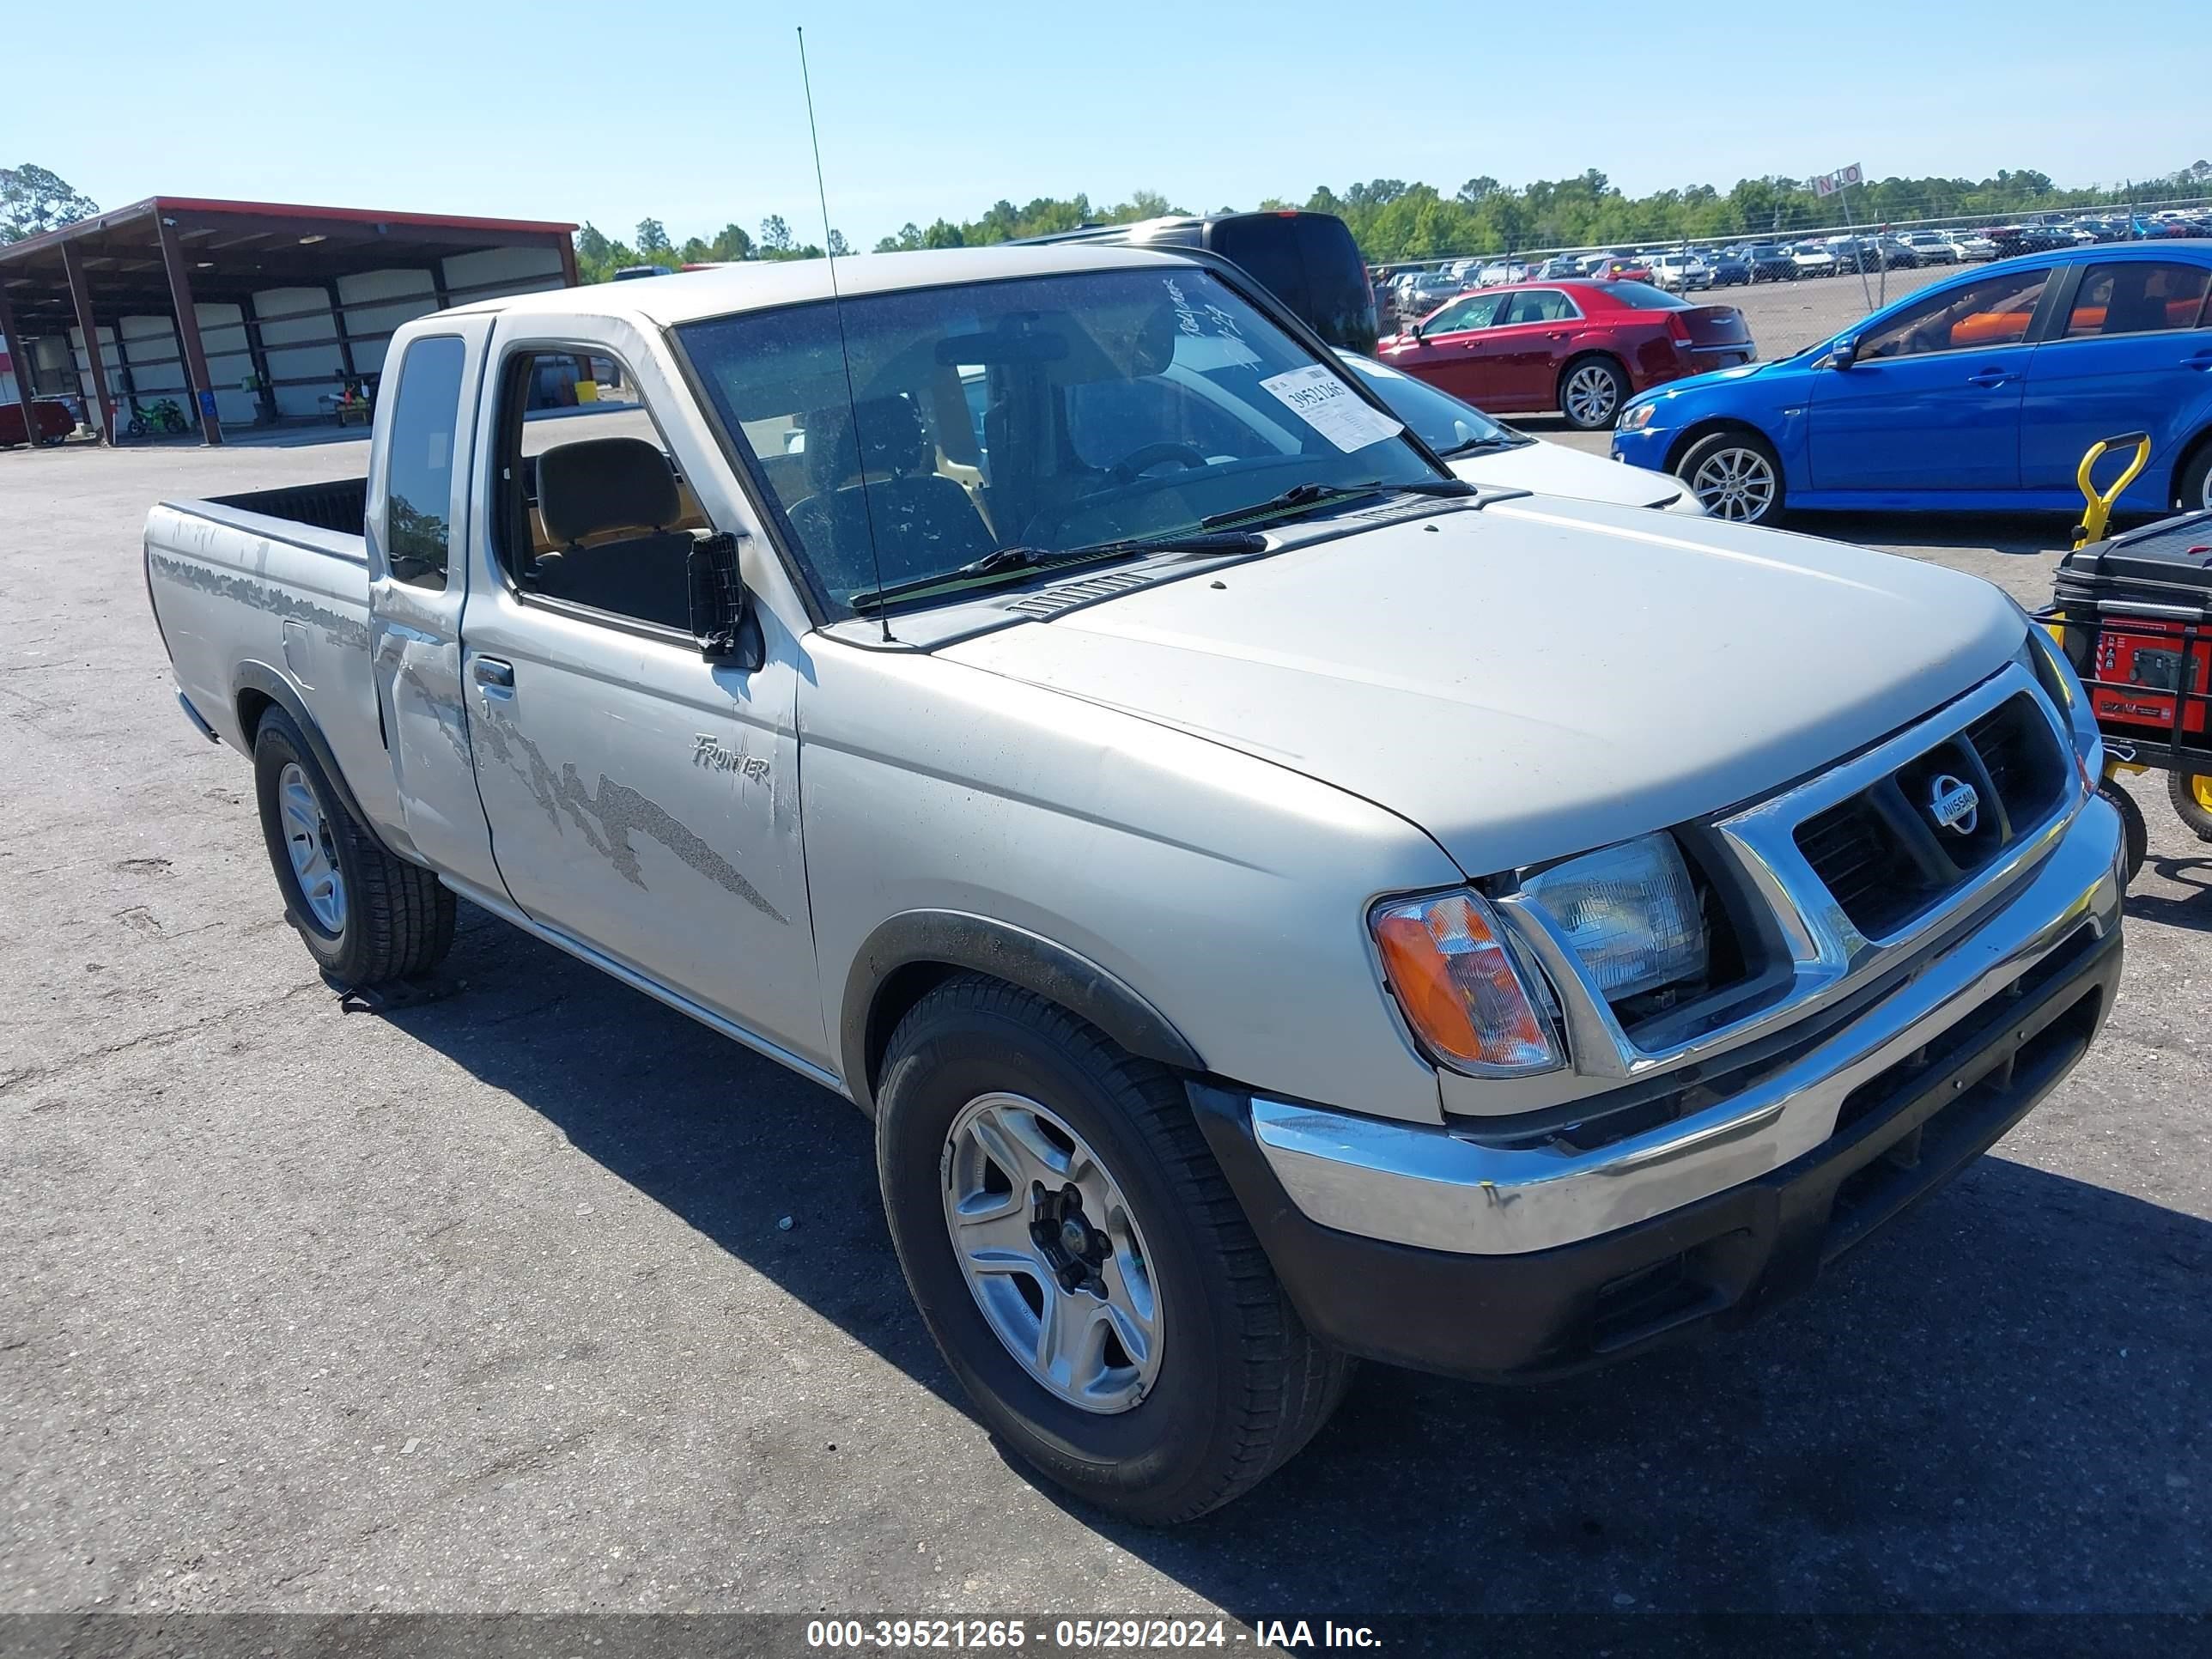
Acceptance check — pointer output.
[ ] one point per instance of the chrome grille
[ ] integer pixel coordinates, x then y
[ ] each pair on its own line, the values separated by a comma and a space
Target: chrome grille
1883, 855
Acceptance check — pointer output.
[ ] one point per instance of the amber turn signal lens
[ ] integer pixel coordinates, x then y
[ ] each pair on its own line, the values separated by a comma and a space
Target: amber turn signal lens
1448, 965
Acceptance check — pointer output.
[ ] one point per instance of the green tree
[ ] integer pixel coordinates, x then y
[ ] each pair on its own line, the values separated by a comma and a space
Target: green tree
1391, 218
839, 247
33, 201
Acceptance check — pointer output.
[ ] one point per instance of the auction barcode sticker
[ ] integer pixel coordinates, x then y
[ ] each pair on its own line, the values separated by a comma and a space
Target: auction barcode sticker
1319, 397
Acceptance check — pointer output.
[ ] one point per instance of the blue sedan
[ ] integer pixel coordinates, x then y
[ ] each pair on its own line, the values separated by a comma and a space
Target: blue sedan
1977, 394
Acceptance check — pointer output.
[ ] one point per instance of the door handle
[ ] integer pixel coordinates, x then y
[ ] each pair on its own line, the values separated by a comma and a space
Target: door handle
2199, 360
1988, 377
491, 672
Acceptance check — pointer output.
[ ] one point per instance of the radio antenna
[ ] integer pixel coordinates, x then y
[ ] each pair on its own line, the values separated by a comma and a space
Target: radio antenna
844, 346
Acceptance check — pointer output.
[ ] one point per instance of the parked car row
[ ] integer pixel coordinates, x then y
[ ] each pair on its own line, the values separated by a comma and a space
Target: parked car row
1684, 267
1980, 392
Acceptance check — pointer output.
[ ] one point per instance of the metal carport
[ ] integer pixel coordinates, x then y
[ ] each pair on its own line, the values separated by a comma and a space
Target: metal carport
316, 291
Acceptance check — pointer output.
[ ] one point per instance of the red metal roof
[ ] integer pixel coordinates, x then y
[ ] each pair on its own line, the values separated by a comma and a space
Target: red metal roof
358, 215
277, 210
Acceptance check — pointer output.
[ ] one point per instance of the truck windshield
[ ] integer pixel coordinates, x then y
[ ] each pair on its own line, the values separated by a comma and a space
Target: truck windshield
1048, 413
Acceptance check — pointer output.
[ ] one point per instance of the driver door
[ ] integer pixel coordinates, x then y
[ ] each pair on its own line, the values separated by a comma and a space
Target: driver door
1932, 400
643, 800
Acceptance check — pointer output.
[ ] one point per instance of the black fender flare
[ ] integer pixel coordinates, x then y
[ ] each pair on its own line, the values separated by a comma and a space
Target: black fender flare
982, 944
259, 677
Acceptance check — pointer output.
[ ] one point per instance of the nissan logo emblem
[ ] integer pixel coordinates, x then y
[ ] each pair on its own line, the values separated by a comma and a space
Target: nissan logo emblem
1954, 805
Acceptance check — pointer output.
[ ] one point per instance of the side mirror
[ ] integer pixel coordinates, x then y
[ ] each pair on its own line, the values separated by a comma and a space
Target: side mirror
721, 619
1843, 352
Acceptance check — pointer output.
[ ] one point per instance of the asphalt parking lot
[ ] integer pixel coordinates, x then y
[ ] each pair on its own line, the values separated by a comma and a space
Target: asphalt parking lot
1787, 317
486, 1304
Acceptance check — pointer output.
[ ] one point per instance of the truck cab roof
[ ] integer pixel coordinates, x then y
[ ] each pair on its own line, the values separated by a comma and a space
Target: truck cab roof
758, 285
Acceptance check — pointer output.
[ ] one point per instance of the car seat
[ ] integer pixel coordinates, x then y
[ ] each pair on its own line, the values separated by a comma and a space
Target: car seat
598, 485
878, 500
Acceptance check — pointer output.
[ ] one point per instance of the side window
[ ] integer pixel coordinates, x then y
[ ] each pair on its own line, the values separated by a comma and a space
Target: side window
418, 491
565, 384
1994, 311
2138, 296
595, 510
1541, 305
1476, 311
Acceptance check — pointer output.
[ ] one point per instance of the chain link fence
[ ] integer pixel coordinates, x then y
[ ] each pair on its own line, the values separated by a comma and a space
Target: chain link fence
1798, 286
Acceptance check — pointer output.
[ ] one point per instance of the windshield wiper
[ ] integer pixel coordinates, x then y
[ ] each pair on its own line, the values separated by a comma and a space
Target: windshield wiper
1300, 495
1482, 446
1023, 560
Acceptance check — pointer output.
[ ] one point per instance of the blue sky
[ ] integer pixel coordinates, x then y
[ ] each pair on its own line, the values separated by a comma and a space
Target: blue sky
693, 113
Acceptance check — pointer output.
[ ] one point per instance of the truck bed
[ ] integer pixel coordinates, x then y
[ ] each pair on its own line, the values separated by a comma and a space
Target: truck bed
267, 593
338, 506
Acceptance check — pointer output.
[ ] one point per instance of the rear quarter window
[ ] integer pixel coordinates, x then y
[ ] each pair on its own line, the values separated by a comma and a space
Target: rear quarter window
418, 491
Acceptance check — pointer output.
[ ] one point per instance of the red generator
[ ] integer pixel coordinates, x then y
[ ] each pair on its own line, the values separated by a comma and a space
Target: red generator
2133, 614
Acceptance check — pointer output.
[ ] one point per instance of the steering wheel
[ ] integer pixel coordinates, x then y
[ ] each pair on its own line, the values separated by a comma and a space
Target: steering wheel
1138, 461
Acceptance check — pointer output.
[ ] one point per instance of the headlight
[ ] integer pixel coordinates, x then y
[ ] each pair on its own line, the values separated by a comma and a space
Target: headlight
2040, 654
1449, 966
1630, 912
1637, 416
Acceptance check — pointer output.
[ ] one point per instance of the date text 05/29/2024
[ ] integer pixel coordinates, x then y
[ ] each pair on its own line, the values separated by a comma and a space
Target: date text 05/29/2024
1106, 1634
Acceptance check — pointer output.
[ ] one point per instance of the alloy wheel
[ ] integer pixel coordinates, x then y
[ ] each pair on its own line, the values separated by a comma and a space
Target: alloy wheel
1734, 483
313, 850
1591, 395
1054, 1259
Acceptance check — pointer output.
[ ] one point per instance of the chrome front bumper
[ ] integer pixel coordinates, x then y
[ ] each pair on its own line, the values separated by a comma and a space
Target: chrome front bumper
1450, 1189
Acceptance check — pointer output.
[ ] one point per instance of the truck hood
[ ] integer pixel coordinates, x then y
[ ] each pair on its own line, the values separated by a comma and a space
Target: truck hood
1537, 677
1552, 468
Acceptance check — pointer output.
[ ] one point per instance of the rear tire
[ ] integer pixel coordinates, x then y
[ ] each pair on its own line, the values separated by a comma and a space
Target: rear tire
365, 915
2134, 830
2193, 493
1736, 474
1219, 1382
2192, 795
1591, 392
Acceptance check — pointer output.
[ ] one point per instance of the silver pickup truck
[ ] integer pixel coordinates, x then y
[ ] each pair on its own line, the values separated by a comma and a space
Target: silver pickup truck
1276, 902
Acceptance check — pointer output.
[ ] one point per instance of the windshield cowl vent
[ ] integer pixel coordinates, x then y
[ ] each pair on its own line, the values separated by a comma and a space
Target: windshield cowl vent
1065, 596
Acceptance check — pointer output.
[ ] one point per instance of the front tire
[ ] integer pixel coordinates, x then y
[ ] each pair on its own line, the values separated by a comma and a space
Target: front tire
1736, 475
1591, 393
2134, 830
365, 915
1081, 1261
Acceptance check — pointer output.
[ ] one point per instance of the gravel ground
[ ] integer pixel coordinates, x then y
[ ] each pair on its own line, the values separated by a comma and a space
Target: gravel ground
486, 1304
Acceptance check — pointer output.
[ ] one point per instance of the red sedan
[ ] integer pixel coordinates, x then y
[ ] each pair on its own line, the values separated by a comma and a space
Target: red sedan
1583, 348
48, 422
